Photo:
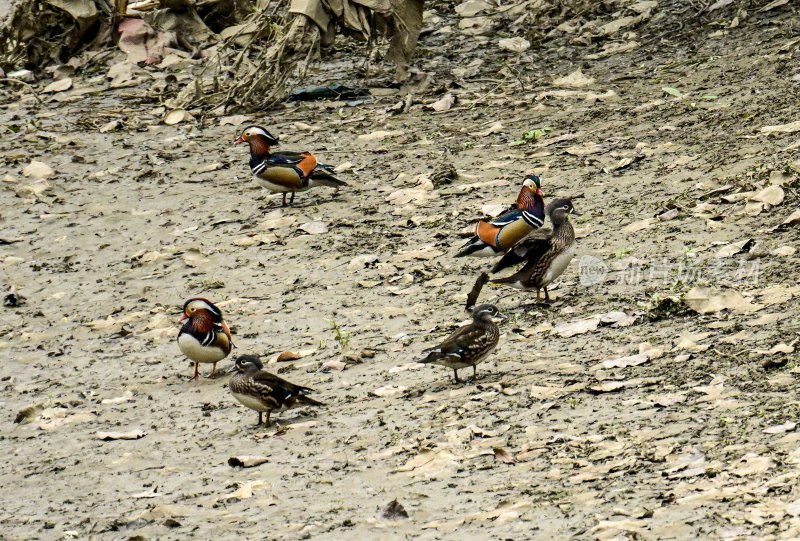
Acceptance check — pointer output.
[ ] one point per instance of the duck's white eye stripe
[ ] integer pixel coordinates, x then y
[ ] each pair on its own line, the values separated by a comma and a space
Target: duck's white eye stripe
258, 131
198, 304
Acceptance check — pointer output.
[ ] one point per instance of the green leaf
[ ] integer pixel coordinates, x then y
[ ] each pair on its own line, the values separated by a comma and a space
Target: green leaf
674, 92
709, 97
517, 143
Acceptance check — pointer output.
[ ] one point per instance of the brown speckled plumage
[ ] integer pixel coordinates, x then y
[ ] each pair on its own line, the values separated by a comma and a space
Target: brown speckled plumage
265, 392
470, 344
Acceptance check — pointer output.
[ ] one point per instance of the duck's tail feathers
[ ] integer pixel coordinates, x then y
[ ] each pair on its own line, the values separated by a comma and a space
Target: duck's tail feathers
471, 246
473, 295
308, 401
324, 177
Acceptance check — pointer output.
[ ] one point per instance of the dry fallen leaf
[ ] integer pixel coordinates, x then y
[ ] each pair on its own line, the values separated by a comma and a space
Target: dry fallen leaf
126, 397
470, 8
333, 364
129, 435
496, 127
640, 225
501, 455
444, 103
53, 418
608, 386
38, 170
772, 5
576, 79
425, 253
617, 319
624, 362
315, 228
276, 220
733, 248
780, 429
416, 196
343, 167
233, 120
245, 491
361, 261
793, 219
772, 195
585, 149
704, 301
388, 390
573, 328
379, 135
34, 189
177, 116
246, 461
288, 356
782, 128
515, 45
194, 258
753, 464
430, 464
405, 367
59, 86
110, 126
775, 350
784, 251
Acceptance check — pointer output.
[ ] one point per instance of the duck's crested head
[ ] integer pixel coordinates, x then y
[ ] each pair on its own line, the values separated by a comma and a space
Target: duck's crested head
248, 363
255, 133
533, 183
197, 305
560, 209
486, 313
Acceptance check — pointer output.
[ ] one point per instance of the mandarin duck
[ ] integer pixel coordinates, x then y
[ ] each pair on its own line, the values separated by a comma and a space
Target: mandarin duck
285, 171
470, 344
545, 257
204, 337
265, 392
498, 235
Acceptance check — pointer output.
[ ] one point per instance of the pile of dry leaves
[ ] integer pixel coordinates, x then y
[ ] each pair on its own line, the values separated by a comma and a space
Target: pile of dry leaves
248, 50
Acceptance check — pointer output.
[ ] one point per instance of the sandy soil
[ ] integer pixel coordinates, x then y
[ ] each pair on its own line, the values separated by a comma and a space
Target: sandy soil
693, 439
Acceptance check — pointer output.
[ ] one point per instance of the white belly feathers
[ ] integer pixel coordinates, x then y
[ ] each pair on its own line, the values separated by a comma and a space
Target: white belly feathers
198, 352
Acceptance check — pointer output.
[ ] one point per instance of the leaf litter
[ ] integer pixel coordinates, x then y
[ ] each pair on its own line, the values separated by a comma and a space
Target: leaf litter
667, 407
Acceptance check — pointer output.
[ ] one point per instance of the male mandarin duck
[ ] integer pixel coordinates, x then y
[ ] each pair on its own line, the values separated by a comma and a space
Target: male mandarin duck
285, 171
265, 392
500, 234
545, 257
470, 344
204, 337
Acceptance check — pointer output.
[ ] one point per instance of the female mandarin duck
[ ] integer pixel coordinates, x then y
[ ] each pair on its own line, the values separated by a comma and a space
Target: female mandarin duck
264, 392
469, 344
284, 171
497, 236
545, 257
204, 337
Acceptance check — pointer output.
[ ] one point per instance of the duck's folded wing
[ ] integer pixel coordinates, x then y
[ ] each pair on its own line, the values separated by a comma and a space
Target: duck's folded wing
528, 249
455, 346
280, 392
508, 216
286, 158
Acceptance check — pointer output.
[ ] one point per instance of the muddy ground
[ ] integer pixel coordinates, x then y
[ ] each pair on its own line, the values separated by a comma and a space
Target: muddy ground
692, 438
